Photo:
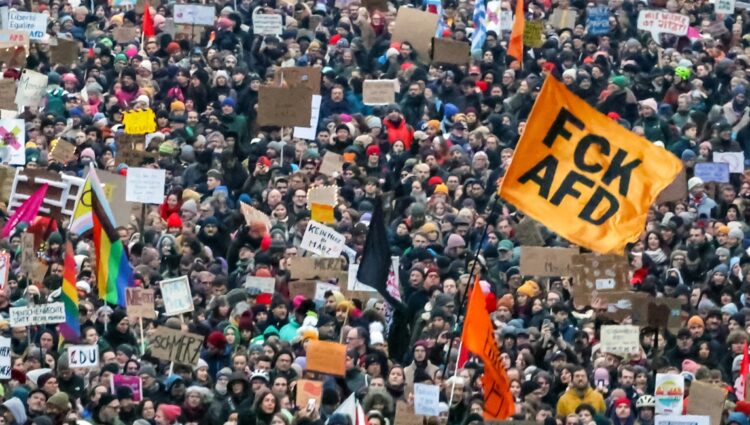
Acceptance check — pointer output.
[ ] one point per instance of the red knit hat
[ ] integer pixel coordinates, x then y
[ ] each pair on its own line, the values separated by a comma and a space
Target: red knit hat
174, 220
621, 400
171, 412
373, 150
743, 407
217, 339
434, 181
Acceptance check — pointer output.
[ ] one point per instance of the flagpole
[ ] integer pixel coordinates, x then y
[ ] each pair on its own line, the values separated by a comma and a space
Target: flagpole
465, 295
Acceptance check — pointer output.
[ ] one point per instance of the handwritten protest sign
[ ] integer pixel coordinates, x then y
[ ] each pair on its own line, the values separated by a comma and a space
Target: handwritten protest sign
140, 302
307, 268
299, 76
544, 261
620, 339
4, 357
132, 382
145, 185
267, 24
725, 7
65, 52
449, 51
426, 399
124, 35
659, 22
10, 38
280, 106
309, 133
176, 346
139, 122
326, 357
736, 160
177, 296
418, 28
707, 400
594, 272
717, 172
252, 214
378, 92
42, 314
194, 14
322, 240
532, 34
266, 285
669, 392
63, 151
597, 20
32, 87
563, 18
308, 389
83, 356
332, 163
35, 24
28, 256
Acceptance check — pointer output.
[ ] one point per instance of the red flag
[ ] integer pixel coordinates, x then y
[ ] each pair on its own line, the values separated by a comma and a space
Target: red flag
148, 22
515, 46
744, 366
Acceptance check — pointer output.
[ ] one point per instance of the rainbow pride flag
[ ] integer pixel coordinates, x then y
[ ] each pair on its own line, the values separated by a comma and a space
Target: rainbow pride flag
71, 328
113, 271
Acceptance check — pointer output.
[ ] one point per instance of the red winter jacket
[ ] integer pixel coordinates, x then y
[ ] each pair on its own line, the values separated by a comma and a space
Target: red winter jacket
399, 131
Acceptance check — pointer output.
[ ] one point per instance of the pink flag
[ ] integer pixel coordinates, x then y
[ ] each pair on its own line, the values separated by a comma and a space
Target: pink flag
27, 211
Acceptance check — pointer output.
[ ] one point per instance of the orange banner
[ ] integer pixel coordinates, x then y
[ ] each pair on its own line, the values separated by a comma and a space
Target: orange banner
583, 175
478, 337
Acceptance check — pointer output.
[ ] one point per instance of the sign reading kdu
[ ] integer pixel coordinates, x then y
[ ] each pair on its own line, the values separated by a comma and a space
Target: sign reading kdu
81, 356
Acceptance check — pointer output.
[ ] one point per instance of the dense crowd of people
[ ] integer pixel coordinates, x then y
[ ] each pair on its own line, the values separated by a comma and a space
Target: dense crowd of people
434, 158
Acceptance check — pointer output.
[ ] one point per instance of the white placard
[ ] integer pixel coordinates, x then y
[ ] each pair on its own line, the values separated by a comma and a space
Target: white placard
309, 133
682, 420
321, 288
322, 240
266, 24
13, 135
145, 185
725, 7
4, 268
42, 314
177, 296
669, 393
736, 160
353, 284
620, 339
33, 23
604, 284
660, 22
193, 14
4, 357
32, 88
266, 285
83, 356
426, 399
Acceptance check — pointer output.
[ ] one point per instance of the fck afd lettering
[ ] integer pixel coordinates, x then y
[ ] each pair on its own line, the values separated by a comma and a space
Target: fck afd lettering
608, 180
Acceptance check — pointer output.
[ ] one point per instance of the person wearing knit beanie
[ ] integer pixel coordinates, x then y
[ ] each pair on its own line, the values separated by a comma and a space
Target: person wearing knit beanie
696, 326
441, 188
506, 302
529, 288
216, 340
174, 224
167, 414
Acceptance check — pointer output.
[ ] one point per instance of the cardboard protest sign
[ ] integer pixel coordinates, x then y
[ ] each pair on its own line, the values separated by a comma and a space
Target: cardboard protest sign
563, 18
4, 358
618, 305
32, 86
717, 172
326, 357
309, 133
194, 14
541, 261
405, 415
28, 254
445, 50
332, 163
114, 186
418, 28
725, 7
659, 22
66, 52
297, 76
532, 34
307, 389
63, 152
83, 356
305, 288
736, 160
176, 346
707, 400
39, 272
620, 339
322, 240
252, 214
676, 191
659, 311
7, 94
35, 24
139, 121
426, 399
140, 302
145, 185
669, 392
280, 106
132, 382
41, 314
177, 296
266, 285
593, 203
597, 20
307, 268
267, 24
594, 273
528, 234
13, 57
378, 92
124, 35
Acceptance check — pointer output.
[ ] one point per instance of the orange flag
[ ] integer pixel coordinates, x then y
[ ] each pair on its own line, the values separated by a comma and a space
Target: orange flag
478, 338
515, 46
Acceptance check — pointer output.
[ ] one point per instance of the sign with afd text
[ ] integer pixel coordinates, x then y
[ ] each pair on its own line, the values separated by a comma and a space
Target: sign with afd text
35, 24
80, 356
584, 176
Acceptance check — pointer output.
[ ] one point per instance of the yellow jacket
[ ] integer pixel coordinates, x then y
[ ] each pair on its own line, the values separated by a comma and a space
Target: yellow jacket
570, 401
